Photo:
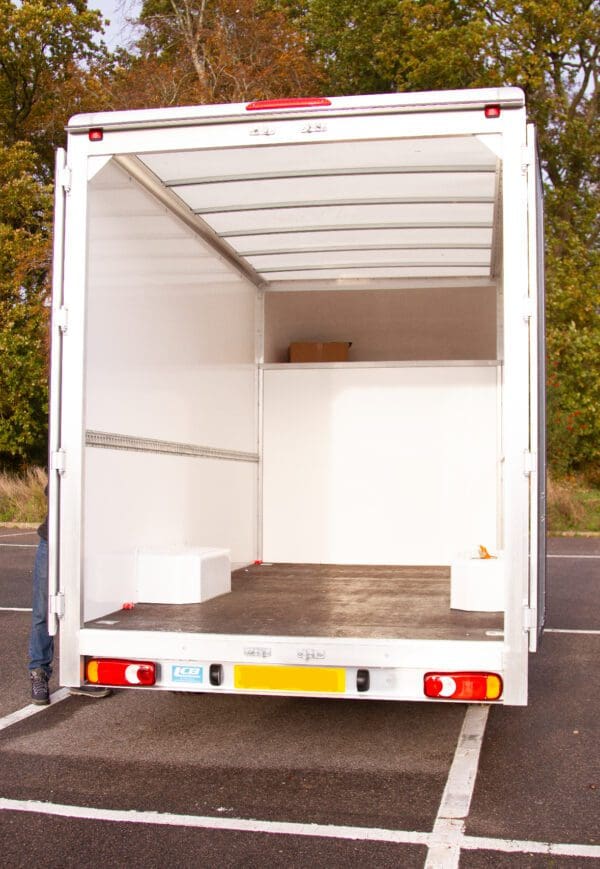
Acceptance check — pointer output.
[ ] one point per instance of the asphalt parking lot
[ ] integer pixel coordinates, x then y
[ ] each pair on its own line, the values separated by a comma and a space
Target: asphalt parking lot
160, 779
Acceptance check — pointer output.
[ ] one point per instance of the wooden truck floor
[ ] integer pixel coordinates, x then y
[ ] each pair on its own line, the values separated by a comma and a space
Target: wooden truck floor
317, 600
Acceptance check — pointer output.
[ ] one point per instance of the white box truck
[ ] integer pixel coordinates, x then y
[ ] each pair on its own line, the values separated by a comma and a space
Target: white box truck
223, 520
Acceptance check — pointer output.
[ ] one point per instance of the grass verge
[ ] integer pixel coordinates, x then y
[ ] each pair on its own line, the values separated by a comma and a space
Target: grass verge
573, 507
22, 497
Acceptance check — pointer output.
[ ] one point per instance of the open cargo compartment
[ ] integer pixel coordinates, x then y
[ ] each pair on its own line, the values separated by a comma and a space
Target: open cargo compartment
346, 493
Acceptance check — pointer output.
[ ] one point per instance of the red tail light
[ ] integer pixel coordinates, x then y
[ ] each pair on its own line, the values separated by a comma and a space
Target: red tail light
463, 686
96, 134
108, 671
293, 103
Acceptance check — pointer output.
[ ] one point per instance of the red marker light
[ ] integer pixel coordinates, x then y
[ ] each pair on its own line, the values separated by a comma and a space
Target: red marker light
108, 671
96, 135
293, 103
492, 111
462, 686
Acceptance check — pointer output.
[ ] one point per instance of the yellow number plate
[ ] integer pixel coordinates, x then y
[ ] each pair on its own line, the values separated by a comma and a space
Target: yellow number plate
331, 680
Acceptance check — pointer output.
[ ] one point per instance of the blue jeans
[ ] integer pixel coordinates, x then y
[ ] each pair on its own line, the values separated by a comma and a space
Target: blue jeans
41, 644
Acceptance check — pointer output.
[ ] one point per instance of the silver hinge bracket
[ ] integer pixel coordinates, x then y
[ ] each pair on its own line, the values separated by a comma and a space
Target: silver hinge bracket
58, 461
64, 179
526, 158
528, 309
529, 463
529, 618
61, 318
57, 604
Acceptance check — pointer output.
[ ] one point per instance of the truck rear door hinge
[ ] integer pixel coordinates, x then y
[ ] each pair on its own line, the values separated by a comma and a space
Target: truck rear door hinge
61, 318
64, 179
526, 158
58, 461
57, 604
529, 618
529, 463
528, 309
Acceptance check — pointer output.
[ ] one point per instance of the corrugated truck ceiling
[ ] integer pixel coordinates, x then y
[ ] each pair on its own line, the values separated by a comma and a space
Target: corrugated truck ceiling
338, 211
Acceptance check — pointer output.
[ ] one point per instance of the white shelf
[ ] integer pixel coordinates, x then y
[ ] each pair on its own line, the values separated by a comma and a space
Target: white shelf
427, 363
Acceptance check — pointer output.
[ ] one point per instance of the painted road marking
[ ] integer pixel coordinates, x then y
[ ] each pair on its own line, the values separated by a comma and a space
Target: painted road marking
573, 556
18, 533
32, 709
522, 846
568, 631
449, 826
18, 545
325, 831
15, 609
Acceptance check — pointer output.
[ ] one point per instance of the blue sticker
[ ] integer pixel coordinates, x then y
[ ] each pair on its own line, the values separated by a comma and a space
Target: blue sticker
185, 673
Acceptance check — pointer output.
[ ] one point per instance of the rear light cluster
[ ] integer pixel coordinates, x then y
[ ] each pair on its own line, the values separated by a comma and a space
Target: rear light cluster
463, 686
108, 671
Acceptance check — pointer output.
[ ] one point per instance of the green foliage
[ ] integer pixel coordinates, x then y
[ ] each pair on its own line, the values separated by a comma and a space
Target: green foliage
46, 50
551, 50
43, 43
25, 207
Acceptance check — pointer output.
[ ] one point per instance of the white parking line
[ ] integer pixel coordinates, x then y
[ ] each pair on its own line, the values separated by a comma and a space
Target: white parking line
325, 831
449, 827
242, 825
15, 609
568, 631
18, 533
522, 846
572, 556
18, 545
32, 709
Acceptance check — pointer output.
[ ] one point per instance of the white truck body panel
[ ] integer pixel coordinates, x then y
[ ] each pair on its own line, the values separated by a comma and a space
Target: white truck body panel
176, 423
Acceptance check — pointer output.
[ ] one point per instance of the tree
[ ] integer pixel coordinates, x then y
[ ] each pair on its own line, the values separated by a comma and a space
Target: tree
44, 46
25, 206
47, 50
206, 51
551, 50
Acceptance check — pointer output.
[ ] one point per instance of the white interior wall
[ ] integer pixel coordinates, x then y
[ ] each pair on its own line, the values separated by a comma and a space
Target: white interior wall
170, 356
379, 465
159, 501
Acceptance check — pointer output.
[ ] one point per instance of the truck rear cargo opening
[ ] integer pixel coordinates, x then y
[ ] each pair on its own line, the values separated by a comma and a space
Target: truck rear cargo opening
229, 520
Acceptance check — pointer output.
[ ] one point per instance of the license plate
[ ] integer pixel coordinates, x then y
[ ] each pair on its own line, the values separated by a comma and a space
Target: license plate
330, 680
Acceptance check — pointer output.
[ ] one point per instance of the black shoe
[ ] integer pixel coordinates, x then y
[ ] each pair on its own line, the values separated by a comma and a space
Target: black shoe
96, 691
40, 694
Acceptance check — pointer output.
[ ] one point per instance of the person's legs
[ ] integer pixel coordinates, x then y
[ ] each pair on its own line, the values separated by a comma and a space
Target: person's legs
41, 644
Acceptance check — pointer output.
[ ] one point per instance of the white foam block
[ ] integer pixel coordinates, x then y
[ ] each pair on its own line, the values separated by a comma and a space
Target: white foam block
188, 575
477, 584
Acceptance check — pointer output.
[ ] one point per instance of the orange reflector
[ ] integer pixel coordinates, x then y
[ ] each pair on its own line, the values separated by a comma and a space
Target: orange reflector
492, 111
463, 686
108, 671
294, 103
96, 134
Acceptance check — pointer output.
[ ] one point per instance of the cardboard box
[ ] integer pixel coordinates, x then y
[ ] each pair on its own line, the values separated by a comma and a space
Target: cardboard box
319, 351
